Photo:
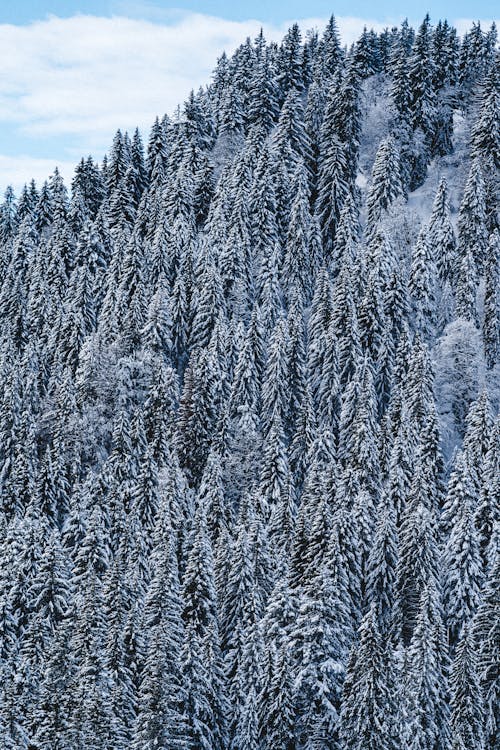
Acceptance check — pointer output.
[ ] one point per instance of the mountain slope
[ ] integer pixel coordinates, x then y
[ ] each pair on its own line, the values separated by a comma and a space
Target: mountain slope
248, 436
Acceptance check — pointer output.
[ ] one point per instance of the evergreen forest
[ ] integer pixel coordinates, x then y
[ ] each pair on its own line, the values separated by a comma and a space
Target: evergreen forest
249, 432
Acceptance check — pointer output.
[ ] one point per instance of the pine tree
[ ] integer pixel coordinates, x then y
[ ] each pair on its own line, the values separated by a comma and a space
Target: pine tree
467, 719
417, 565
358, 433
386, 184
158, 325
368, 713
208, 305
290, 62
313, 117
441, 234
290, 138
472, 228
320, 649
491, 316
422, 285
347, 235
479, 435
51, 589
462, 565
381, 569
486, 631
343, 114
275, 378
90, 689
8, 216
319, 321
427, 684
422, 92
329, 53
328, 393
160, 716
277, 710
465, 306
332, 184
52, 714
296, 263
262, 105
197, 413
485, 132
200, 602
486, 515
262, 203
366, 54
205, 718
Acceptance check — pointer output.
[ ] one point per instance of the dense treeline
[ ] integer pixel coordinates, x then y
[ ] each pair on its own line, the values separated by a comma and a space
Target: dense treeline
249, 461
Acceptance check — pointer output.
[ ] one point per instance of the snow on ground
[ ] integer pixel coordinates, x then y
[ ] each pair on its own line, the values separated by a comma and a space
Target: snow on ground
454, 167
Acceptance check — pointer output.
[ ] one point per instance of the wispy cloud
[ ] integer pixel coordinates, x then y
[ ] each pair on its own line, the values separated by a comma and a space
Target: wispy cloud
79, 79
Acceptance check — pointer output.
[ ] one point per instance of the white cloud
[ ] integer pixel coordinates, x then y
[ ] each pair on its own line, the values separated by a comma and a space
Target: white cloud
16, 170
87, 75
80, 78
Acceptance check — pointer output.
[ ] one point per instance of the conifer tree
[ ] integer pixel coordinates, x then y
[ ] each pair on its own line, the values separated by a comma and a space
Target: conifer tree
485, 132
427, 686
320, 646
491, 315
277, 710
263, 105
296, 263
381, 569
200, 603
290, 139
329, 53
467, 719
343, 113
486, 631
160, 716
422, 285
465, 305
441, 234
275, 377
486, 516
417, 565
332, 183
462, 564
368, 713
422, 92
472, 228
386, 184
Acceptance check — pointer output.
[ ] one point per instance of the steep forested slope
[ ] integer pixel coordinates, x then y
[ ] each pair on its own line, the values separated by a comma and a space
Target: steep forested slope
249, 459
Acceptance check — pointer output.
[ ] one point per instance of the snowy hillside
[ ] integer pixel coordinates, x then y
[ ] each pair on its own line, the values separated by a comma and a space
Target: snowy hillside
249, 432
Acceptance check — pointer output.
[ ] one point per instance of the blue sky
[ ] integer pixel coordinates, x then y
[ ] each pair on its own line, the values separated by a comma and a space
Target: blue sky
73, 72
24, 11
